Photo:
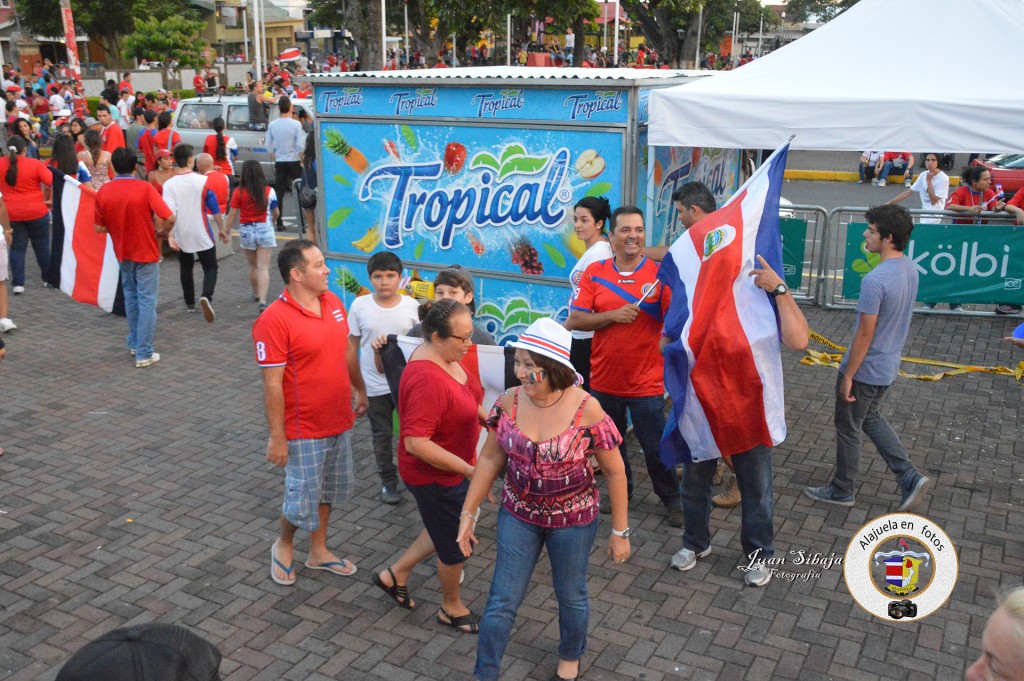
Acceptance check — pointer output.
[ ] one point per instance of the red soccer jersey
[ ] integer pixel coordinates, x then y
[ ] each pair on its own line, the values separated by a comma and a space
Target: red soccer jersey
965, 196
1017, 200
25, 199
165, 139
218, 183
624, 360
249, 212
434, 405
112, 137
125, 206
147, 148
317, 392
221, 164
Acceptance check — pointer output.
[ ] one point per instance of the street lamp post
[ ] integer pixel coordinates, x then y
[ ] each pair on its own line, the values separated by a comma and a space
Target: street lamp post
700, 20
405, 9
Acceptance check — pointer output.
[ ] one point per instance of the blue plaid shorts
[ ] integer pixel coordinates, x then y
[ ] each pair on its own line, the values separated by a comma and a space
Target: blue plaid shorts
319, 471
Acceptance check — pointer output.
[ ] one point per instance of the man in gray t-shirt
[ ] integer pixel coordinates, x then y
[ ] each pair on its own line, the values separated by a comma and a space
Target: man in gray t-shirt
886, 304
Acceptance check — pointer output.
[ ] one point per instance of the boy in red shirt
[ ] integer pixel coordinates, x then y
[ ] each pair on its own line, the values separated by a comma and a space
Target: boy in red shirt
124, 209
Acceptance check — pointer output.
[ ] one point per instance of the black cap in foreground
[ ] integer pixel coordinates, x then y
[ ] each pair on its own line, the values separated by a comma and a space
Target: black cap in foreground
146, 652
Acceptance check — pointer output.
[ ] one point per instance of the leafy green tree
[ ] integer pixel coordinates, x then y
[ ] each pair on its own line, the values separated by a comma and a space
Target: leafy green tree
176, 37
105, 20
361, 18
824, 10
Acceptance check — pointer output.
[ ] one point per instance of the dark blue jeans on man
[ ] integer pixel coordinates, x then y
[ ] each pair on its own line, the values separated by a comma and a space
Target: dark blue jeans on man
38, 232
519, 544
648, 416
888, 167
753, 470
141, 284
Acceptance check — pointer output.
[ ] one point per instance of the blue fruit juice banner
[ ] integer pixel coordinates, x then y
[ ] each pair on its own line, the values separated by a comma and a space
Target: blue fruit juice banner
487, 198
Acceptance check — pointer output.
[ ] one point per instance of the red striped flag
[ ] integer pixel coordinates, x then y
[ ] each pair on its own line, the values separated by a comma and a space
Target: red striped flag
88, 270
724, 372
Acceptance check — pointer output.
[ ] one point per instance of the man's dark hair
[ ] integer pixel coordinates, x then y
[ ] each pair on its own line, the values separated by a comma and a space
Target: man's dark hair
182, 154
123, 159
102, 107
149, 115
284, 105
892, 221
695, 194
126, 74
138, 111
384, 261
293, 255
163, 119
624, 210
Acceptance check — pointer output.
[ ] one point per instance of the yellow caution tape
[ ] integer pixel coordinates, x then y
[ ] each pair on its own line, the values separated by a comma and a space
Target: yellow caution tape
817, 358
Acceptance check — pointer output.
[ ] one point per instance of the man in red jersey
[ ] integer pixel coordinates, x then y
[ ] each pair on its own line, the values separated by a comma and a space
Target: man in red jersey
124, 208
621, 300
308, 391
111, 136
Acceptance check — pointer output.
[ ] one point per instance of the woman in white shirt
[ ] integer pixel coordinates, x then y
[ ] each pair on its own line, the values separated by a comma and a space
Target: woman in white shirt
591, 216
933, 186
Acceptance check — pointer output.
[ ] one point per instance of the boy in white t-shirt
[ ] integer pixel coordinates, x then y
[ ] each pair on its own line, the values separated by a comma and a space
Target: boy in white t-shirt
385, 312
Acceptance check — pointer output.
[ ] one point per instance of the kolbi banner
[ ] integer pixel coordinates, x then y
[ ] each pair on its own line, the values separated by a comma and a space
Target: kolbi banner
980, 264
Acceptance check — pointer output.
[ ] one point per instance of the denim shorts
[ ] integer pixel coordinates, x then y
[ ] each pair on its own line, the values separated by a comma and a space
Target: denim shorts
257, 235
440, 507
319, 471
3, 257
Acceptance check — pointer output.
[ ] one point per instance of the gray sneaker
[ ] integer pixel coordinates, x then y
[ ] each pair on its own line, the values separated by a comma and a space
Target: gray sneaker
758, 575
685, 559
390, 494
829, 495
912, 496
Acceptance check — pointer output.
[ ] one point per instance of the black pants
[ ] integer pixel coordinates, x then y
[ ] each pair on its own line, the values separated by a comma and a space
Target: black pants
208, 259
285, 172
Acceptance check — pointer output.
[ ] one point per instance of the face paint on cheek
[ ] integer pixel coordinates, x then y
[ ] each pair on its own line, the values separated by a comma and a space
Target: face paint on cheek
536, 376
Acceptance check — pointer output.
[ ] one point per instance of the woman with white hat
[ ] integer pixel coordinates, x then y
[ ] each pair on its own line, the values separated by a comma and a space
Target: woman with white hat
545, 430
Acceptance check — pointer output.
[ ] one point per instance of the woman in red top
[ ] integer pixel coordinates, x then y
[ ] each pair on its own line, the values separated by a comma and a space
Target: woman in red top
21, 182
164, 170
254, 205
439, 405
224, 149
974, 195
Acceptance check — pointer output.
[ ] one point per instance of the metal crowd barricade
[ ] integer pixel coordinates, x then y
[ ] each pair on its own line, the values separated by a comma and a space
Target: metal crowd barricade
816, 219
832, 269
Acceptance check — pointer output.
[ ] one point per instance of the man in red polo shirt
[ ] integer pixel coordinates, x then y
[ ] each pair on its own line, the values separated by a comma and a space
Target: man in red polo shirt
308, 390
124, 208
111, 136
622, 301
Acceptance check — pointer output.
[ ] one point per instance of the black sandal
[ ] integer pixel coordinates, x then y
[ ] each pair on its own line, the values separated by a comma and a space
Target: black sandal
468, 620
399, 592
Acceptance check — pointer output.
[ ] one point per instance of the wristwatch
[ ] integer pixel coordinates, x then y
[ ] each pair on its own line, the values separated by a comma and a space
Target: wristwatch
778, 290
621, 533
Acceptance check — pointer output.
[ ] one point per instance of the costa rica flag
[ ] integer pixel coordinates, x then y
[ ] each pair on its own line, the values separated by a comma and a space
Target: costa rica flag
723, 369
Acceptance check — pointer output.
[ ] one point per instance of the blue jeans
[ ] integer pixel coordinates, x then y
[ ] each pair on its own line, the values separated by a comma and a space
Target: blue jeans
38, 232
867, 172
141, 284
519, 544
853, 417
753, 470
888, 167
648, 414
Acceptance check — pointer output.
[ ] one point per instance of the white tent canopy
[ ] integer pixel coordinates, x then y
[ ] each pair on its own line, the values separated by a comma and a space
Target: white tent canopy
926, 75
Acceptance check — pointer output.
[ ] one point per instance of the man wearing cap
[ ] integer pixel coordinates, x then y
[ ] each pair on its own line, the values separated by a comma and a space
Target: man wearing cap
297, 340
621, 300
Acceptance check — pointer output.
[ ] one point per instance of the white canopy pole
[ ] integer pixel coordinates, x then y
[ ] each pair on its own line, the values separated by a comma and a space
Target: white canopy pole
700, 20
383, 35
615, 56
508, 40
258, 43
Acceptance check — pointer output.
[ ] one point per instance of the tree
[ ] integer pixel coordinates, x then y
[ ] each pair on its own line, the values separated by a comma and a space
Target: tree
660, 21
824, 10
362, 19
105, 20
175, 38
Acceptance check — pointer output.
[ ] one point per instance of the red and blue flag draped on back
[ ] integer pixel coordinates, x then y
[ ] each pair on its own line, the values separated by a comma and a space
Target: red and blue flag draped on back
724, 370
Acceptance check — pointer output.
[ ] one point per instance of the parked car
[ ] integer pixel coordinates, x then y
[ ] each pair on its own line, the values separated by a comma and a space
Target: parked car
193, 120
1007, 170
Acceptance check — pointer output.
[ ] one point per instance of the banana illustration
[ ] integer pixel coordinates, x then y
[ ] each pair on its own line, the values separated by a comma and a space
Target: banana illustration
368, 241
573, 243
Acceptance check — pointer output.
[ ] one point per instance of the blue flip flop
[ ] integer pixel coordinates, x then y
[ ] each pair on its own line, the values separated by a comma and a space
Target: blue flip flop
338, 567
288, 570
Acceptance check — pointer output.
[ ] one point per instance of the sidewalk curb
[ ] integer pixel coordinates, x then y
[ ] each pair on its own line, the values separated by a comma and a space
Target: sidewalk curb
842, 176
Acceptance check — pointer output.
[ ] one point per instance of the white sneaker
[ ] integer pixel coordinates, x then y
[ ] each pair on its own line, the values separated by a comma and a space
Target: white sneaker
207, 308
7, 325
906, 183
17, 290
758, 575
153, 359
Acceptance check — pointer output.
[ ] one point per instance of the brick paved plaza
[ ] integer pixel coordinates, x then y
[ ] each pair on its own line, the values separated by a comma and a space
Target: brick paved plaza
128, 496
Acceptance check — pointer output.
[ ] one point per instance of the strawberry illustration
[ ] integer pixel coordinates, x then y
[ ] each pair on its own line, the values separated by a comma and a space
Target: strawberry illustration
454, 157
